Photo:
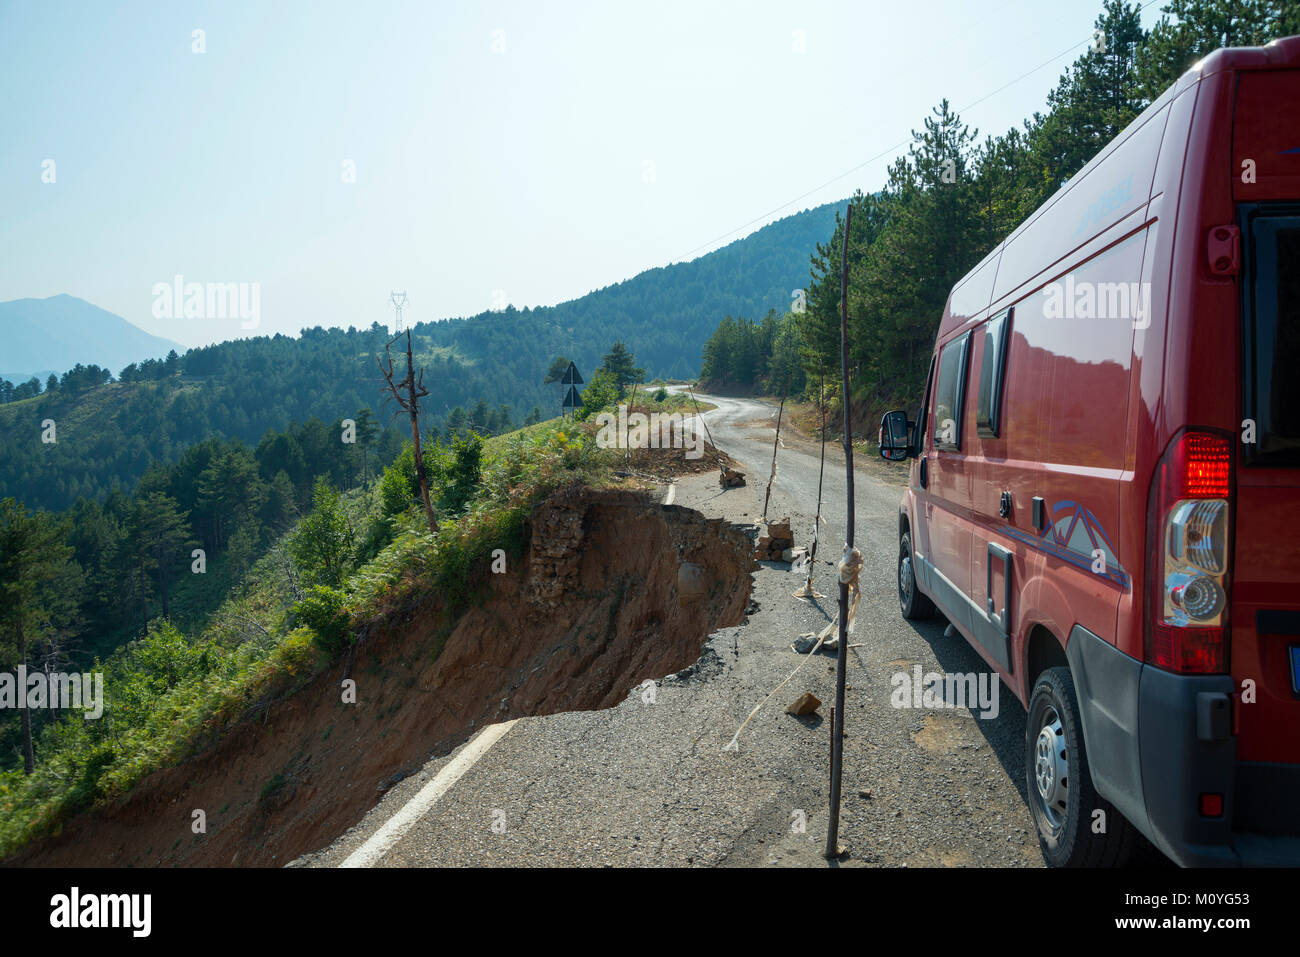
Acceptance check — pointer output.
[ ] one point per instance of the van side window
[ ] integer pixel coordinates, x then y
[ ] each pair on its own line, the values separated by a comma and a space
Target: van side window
993, 369
921, 421
949, 395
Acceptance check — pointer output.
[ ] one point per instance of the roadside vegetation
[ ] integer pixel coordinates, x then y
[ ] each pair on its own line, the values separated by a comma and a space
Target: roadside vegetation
321, 586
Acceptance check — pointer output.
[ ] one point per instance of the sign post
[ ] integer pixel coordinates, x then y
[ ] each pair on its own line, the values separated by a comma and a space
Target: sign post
571, 378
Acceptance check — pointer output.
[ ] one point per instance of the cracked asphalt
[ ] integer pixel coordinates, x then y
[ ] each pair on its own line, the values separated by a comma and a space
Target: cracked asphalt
647, 783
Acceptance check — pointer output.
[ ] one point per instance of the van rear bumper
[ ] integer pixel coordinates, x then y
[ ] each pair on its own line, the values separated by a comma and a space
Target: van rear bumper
1157, 741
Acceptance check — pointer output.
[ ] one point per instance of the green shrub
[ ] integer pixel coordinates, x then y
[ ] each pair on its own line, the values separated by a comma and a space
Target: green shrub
323, 611
602, 390
323, 543
396, 492
399, 488
464, 474
379, 534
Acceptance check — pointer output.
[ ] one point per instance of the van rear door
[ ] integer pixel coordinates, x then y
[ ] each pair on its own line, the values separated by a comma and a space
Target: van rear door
1265, 613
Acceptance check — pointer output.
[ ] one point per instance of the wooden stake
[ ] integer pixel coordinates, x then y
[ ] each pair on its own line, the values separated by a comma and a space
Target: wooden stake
700, 415
627, 426
821, 471
775, 442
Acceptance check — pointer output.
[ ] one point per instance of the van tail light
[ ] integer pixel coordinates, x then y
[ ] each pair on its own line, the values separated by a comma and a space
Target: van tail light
1188, 535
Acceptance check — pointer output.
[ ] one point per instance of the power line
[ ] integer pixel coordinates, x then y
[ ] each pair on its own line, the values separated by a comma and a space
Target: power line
897, 146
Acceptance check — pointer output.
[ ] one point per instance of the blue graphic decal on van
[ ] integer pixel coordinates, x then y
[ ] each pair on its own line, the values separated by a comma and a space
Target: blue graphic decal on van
1076, 536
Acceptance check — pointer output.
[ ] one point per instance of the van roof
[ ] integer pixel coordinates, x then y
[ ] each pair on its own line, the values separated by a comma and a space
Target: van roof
1279, 54
976, 291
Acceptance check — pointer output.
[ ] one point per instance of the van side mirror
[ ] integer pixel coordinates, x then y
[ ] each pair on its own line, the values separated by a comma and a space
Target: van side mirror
895, 441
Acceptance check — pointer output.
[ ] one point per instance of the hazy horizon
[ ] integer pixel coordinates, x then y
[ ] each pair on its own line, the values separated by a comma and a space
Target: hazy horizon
500, 154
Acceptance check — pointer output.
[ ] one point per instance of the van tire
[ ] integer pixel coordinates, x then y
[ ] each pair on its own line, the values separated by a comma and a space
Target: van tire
1064, 818
911, 602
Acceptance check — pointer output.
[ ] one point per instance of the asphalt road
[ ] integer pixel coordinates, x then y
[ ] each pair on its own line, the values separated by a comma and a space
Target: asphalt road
649, 783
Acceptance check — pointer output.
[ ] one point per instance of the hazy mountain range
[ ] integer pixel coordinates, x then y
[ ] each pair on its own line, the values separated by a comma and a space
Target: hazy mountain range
109, 434
40, 336
663, 314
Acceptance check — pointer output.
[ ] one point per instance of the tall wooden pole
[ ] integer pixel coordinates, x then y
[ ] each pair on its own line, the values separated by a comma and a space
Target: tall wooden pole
833, 849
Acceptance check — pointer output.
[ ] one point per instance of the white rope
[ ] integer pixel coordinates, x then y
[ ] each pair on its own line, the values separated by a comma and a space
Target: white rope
849, 568
733, 744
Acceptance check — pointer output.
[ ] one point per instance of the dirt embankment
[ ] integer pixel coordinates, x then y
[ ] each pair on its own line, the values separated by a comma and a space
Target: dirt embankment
616, 589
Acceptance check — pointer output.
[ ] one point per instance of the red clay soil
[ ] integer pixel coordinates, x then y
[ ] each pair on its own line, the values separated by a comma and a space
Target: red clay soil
595, 612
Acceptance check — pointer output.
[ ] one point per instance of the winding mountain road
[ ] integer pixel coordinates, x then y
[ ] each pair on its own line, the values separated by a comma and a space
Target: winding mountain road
649, 783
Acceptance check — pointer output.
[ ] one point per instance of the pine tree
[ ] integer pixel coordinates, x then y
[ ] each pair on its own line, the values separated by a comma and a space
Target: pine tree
158, 535
480, 420
457, 421
620, 364
1096, 98
366, 431
559, 365
1190, 29
39, 588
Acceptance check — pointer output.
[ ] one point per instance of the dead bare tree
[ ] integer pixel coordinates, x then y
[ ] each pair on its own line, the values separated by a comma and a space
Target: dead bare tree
414, 386
290, 571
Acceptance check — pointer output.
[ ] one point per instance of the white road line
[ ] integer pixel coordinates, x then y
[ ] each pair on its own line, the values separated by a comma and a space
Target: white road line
672, 493
382, 841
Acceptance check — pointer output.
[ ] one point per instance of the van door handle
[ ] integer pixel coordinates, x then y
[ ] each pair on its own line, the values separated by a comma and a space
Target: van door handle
1000, 619
924, 477
1004, 506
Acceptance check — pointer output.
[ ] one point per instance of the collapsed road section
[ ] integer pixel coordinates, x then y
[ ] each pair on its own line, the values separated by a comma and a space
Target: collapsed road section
615, 589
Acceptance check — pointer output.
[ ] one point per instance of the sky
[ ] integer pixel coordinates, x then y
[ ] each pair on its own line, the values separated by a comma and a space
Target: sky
470, 154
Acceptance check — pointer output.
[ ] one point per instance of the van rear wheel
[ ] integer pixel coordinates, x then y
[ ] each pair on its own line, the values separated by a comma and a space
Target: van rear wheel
911, 602
1062, 799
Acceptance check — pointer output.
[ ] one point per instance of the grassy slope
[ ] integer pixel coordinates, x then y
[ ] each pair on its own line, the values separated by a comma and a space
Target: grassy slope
169, 694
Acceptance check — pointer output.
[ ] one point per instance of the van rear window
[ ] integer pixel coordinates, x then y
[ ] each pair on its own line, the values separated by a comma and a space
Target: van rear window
1271, 348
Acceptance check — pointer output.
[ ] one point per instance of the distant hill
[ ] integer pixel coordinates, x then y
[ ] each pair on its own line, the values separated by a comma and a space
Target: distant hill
663, 315
108, 434
40, 335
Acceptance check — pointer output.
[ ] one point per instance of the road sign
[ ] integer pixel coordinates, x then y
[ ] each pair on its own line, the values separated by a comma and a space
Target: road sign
571, 376
571, 399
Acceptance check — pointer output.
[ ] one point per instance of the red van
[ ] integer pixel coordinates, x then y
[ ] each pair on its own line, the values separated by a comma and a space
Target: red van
1105, 493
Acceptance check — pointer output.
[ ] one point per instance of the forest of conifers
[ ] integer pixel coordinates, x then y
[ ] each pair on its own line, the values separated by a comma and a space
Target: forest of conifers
954, 196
